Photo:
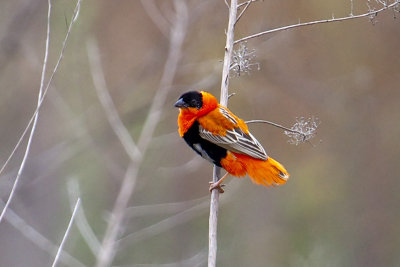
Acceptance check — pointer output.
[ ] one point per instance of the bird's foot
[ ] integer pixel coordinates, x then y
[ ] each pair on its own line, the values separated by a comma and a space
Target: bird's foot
216, 185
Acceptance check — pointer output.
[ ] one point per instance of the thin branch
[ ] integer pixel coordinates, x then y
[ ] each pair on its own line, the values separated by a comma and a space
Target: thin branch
228, 54
368, 14
214, 203
78, 201
164, 225
80, 219
226, 3
81, 131
156, 16
114, 227
244, 10
213, 221
163, 208
306, 132
351, 8
276, 125
38, 239
61, 55
245, 3
175, 220
195, 261
178, 33
34, 116
192, 165
107, 103
108, 247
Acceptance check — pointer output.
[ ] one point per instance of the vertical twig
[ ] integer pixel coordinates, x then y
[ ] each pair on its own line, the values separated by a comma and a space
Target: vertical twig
60, 248
214, 203
228, 53
351, 8
213, 221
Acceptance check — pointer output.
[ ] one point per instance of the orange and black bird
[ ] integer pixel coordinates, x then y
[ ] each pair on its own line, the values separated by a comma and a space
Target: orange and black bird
222, 138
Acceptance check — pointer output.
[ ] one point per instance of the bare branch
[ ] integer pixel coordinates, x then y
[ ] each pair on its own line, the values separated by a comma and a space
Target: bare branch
245, 3
228, 54
114, 227
351, 8
80, 219
367, 14
175, 220
156, 16
196, 261
107, 103
178, 33
61, 55
190, 166
244, 10
213, 221
164, 225
214, 203
302, 131
78, 201
38, 239
34, 116
81, 131
230, 95
274, 124
163, 208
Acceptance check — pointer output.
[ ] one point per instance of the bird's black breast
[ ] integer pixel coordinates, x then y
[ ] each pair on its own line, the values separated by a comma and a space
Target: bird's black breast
204, 148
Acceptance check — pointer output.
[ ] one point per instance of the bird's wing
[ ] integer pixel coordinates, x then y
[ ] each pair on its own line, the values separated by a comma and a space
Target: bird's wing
235, 140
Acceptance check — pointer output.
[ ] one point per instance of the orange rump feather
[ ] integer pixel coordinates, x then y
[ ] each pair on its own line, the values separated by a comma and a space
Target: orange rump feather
267, 173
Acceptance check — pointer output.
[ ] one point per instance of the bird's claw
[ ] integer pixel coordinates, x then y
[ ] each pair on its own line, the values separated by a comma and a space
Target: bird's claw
216, 186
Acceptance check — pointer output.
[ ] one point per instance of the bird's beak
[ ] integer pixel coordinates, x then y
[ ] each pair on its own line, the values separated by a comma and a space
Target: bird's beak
180, 104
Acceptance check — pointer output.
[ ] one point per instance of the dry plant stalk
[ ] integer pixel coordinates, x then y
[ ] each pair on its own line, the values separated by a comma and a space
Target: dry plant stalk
214, 202
38, 239
371, 14
176, 36
301, 131
60, 248
41, 96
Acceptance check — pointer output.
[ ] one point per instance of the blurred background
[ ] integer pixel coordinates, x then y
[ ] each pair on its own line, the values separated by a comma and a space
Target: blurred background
341, 204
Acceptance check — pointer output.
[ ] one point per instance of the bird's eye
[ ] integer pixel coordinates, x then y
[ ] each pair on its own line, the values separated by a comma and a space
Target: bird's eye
193, 103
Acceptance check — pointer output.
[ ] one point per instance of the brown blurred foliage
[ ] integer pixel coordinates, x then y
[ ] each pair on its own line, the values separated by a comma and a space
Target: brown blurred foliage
341, 204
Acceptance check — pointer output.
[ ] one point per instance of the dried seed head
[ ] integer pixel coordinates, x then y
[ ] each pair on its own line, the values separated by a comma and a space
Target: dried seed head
303, 130
242, 60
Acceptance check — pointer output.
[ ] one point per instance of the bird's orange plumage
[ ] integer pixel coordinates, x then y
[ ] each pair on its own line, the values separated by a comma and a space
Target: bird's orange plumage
218, 121
262, 172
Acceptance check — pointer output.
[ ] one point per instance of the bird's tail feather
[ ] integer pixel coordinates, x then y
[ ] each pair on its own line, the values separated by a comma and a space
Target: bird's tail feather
269, 172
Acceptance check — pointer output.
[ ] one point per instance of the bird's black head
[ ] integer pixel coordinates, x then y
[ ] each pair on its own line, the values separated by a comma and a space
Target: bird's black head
192, 99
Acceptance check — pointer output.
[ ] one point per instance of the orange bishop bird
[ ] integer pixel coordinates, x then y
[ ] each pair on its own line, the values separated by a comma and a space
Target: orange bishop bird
222, 138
